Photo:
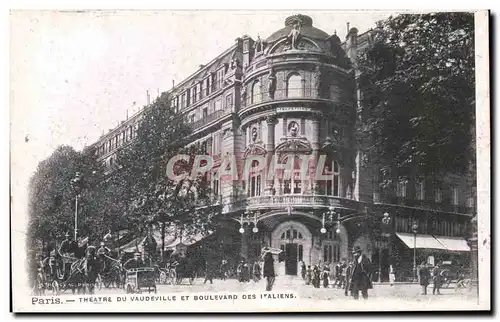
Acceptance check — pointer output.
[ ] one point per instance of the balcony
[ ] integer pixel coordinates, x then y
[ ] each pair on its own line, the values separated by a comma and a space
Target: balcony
283, 94
210, 118
230, 204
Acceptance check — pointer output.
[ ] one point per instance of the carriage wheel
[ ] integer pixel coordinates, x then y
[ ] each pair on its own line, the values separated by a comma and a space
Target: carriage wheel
163, 277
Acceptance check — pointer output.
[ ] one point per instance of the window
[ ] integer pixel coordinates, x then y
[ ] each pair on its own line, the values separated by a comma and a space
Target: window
331, 187
124, 139
331, 253
194, 94
188, 97
130, 132
401, 188
255, 180
292, 184
419, 190
438, 194
191, 118
256, 94
116, 141
183, 99
291, 233
229, 101
454, 195
294, 86
205, 111
218, 105
207, 86
201, 93
220, 77
111, 161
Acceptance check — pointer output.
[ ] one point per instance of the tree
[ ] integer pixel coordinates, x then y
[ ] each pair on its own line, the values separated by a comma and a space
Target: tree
418, 95
152, 197
51, 205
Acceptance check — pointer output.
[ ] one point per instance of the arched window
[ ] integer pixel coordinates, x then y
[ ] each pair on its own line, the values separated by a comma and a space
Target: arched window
291, 233
256, 94
294, 86
255, 185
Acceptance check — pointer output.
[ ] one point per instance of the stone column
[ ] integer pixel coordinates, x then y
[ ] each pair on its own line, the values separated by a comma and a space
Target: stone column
270, 145
315, 151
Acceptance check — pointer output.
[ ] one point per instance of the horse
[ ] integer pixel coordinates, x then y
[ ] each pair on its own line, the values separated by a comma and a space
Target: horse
91, 268
111, 271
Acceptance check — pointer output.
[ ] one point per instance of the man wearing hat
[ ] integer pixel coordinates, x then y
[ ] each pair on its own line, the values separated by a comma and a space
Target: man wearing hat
65, 247
268, 269
103, 250
359, 275
134, 262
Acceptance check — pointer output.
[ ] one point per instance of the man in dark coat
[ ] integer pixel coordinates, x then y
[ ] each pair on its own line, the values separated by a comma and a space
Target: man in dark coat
360, 275
424, 276
436, 279
268, 270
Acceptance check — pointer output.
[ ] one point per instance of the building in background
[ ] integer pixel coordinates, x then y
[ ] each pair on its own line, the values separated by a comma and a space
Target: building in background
291, 94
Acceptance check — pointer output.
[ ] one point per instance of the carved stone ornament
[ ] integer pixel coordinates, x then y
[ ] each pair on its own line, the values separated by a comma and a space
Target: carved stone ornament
254, 149
272, 84
254, 134
293, 129
293, 37
296, 145
259, 45
272, 119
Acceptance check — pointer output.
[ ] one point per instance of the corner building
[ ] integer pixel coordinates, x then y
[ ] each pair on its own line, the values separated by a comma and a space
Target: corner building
295, 94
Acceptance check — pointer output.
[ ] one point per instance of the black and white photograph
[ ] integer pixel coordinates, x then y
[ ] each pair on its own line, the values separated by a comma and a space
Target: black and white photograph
249, 160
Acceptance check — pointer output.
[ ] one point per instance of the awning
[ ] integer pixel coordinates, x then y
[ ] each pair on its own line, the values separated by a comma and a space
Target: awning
422, 241
187, 240
456, 244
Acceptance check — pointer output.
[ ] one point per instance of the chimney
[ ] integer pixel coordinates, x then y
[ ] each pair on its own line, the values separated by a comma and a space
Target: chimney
157, 93
173, 83
147, 95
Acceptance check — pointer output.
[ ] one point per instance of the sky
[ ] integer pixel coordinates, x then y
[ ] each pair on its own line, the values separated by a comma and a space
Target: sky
75, 75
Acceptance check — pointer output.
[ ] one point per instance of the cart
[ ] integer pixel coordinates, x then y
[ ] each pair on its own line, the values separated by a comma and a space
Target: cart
139, 279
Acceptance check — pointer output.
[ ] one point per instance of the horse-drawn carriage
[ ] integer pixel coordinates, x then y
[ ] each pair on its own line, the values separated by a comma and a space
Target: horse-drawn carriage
140, 278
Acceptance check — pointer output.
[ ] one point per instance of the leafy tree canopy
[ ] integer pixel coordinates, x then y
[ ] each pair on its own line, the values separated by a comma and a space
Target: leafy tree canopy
418, 94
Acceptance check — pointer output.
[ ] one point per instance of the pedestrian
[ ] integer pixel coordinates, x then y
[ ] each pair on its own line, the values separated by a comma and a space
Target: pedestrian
269, 273
436, 279
347, 270
309, 275
359, 277
316, 276
424, 275
392, 275
239, 270
245, 273
303, 270
256, 271
209, 272
326, 276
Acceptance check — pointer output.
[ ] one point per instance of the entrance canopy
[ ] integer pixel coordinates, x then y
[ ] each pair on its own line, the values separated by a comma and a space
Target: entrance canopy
434, 242
455, 244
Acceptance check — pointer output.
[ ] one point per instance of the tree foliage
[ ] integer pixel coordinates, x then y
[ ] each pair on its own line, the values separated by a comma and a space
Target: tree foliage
51, 205
133, 195
418, 94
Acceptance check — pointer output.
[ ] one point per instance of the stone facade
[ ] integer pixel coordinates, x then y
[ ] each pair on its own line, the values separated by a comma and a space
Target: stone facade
290, 95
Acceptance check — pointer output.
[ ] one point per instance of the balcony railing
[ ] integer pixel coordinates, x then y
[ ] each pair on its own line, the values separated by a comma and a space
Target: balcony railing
210, 118
283, 94
232, 204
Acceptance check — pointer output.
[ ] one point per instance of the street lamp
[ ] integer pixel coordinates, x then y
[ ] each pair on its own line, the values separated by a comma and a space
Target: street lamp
76, 184
248, 220
415, 231
331, 212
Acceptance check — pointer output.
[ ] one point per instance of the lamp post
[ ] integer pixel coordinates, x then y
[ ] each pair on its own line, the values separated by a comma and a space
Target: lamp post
76, 184
331, 212
386, 220
415, 231
247, 219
